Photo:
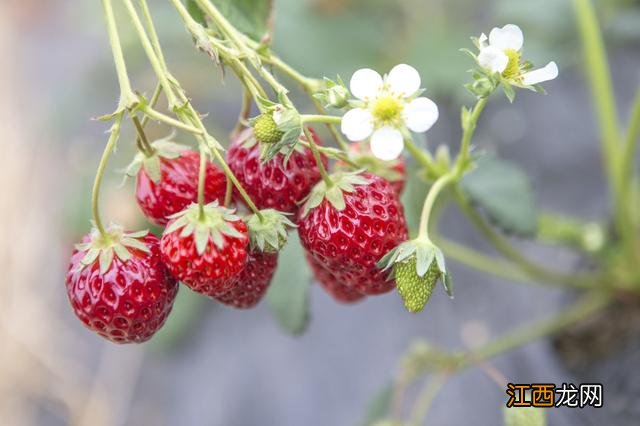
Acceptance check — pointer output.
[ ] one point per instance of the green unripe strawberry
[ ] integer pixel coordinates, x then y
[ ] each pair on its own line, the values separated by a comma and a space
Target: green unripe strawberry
417, 266
266, 129
414, 289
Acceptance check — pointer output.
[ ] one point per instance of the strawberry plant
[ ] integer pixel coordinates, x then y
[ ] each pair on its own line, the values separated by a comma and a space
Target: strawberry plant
279, 207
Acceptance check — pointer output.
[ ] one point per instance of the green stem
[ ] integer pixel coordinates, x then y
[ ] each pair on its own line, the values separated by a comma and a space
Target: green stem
337, 136
245, 111
421, 156
228, 193
426, 397
153, 34
310, 85
467, 135
202, 175
230, 56
630, 147
152, 103
230, 175
95, 195
144, 144
318, 158
158, 67
480, 261
506, 249
429, 202
128, 98
158, 116
584, 308
328, 119
599, 75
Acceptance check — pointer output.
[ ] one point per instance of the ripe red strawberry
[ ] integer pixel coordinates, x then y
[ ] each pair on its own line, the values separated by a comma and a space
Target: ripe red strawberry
118, 286
395, 171
272, 185
333, 283
167, 182
205, 250
253, 281
350, 226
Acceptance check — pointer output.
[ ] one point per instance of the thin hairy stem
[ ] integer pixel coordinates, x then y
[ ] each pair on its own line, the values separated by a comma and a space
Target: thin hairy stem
97, 183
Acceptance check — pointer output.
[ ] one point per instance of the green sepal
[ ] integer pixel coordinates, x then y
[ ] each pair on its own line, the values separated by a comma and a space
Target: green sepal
289, 128
115, 243
162, 148
213, 224
342, 182
268, 234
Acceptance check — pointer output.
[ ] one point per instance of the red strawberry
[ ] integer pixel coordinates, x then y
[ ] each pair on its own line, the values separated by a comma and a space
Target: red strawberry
272, 184
332, 283
350, 226
167, 182
207, 249
118, 286
253, 282
395, 171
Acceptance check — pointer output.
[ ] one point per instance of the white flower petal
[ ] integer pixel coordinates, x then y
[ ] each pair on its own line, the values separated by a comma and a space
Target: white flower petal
482, 41
508, 37
493, 59
387, 143
549, 72
365, 83
357, 124
420, 114
404, 80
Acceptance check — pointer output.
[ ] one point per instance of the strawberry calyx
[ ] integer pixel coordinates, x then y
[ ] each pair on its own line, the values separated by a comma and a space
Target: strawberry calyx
416, 266
341, 182
212, 222
162, 148
115, 242
269, 233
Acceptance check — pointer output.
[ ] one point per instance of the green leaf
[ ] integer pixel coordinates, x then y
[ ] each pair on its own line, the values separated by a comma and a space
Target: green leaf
196, 13
525, 416
249, 16
379, 406
503, 190
288, 295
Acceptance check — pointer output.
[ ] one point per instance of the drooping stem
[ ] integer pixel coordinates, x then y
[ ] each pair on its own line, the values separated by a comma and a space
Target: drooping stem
429, 202
506, 249
231, 176
152, 103
127, 97
95, 195
332, 128
228, 193
245, 111
202, 175
467, 135
316, 155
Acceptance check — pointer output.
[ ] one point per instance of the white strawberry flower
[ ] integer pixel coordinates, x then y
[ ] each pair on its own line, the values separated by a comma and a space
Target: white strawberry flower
501, 53
386, 108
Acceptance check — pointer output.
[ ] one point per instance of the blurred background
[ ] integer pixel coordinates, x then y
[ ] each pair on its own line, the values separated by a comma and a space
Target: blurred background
212, 365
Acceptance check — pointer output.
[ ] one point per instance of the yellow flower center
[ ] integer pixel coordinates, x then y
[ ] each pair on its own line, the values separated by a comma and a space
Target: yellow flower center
386, 108
512, 71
